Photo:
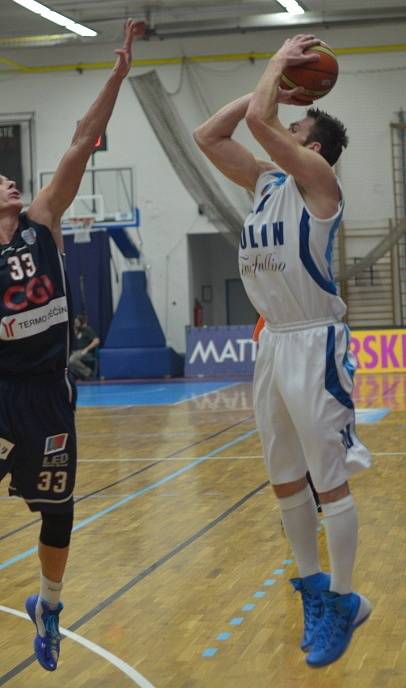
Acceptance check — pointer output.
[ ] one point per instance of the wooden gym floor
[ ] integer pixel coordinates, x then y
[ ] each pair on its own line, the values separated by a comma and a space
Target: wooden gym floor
178, 575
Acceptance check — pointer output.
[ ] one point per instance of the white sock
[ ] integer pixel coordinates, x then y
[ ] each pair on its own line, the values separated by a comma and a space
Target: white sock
299, 518
342, 529
50, 592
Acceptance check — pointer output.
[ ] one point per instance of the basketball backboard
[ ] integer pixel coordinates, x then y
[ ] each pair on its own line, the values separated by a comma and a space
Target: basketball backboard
106, 193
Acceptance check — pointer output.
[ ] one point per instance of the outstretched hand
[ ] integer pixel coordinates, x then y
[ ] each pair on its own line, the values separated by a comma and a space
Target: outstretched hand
289, 97
132, 31
293, 50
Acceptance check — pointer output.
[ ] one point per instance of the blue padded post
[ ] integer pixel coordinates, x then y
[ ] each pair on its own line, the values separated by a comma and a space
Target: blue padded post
135, 324
140, 363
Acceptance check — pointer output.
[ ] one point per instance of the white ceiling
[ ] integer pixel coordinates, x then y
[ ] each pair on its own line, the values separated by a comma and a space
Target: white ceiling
170, 18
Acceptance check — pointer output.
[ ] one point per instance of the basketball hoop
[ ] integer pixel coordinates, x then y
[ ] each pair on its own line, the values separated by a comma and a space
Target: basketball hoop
81, 227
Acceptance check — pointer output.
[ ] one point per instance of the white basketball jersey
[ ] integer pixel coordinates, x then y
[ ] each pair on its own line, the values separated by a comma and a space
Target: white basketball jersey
286, 253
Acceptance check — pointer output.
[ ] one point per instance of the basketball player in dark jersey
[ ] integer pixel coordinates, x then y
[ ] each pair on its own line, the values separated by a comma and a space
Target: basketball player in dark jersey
37, 429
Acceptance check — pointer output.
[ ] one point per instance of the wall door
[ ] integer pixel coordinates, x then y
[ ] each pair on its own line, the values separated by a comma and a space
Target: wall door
238, 307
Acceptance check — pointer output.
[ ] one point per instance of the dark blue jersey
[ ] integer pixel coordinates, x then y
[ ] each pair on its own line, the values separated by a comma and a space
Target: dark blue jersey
34, 308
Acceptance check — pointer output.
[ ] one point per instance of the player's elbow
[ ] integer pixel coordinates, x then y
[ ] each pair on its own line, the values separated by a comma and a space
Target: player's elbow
83, 141
200, 137
262, 129
255, 120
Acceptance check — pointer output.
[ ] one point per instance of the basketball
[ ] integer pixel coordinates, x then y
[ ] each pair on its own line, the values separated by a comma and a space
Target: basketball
318, 78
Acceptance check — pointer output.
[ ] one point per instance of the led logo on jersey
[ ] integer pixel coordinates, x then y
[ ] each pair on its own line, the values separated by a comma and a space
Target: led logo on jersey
55, 443
55, 461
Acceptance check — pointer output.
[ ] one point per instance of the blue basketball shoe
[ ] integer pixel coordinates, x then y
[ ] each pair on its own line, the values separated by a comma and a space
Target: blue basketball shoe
342, 615
47, 640
311, 589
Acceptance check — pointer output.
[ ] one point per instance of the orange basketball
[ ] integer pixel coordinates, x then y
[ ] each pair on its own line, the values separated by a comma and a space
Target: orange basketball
318, 78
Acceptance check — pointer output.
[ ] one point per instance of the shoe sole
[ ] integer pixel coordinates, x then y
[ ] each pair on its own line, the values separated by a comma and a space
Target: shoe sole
365, 608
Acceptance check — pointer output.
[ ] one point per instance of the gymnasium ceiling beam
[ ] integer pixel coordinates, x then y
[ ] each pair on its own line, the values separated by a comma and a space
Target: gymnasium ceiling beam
276, 21
191, 18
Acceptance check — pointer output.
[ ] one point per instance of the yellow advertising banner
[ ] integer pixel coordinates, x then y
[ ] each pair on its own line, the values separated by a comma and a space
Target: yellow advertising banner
379, 351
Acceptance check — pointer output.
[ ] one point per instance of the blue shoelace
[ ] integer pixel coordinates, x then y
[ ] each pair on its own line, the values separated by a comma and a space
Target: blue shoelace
313, 608
52, 630
332, 627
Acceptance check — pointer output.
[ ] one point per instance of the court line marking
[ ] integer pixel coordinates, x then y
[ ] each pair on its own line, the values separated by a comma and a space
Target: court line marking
114, 395
122, 666
248, 607
211, 458
171, 458
127, 437
133, 495
152, 568
192, 432
205, 394
4, 536
107, 496
156, 462
90, 416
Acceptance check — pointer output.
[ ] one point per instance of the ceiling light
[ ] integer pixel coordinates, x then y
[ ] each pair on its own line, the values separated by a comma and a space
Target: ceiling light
32, 41
55, 17
290, 6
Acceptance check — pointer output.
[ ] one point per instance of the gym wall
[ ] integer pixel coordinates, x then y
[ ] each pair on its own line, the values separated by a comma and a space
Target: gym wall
371, 88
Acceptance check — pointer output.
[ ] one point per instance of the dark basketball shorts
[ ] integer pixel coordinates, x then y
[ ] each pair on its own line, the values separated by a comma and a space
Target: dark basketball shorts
38, 441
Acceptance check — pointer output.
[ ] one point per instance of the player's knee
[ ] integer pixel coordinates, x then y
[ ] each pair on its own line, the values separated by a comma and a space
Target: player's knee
284, 490
338, 507
56, 529
295, 500
334, 495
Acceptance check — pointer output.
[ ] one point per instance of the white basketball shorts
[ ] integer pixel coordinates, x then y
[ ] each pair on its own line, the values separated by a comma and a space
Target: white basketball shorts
303, 407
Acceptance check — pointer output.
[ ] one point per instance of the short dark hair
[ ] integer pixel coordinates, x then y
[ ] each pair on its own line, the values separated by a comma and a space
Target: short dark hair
328, 131
82, 318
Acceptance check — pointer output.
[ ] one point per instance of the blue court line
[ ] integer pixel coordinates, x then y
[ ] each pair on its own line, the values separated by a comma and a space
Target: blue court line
133, 495
248, 607
367, 416
148, 394
238, 620
224, 636
210, 651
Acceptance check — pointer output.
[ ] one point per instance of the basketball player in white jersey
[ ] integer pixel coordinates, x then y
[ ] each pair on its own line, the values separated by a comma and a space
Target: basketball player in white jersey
304, 370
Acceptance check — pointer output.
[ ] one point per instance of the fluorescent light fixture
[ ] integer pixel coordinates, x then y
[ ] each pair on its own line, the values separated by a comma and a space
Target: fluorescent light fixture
55, 17
290, 6
32, 41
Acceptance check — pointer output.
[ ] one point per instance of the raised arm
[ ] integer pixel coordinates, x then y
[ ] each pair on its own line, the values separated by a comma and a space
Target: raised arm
214, 138
52, 201
311, 171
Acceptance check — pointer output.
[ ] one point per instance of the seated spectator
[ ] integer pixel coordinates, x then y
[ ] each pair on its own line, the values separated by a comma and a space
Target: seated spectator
82, 361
